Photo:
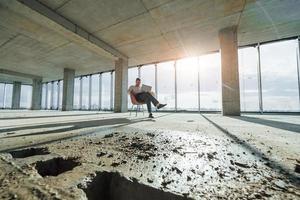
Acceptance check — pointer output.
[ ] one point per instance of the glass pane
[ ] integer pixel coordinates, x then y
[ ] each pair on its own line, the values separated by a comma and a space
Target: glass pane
8, 95
148, 76
85, 93
106, 78
248, 60
132, 75
61, 85
44, 96
49, 102
25, 98
76, 93
166, 84
55, 95
95, 92
279, 76
210, 82
2, 95
113, 90
187, 84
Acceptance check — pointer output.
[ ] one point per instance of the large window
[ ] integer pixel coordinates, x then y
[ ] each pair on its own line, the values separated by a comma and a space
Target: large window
8, 95
85, 93
210, 82
166, 84
248, 62
95, 92
55, 95
187, 84
2, 86
279, 76
76, 93
148, 75
44, 96
60, 94
106, 90
49, 96
25, 98
113, 91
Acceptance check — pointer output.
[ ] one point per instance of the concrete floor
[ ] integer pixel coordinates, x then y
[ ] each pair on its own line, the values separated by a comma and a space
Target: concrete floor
189, 155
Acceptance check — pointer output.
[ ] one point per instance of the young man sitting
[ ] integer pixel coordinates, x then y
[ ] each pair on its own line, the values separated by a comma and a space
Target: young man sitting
145, 97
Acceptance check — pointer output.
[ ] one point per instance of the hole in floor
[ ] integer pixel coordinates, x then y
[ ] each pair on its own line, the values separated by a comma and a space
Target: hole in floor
113, 186
23, 153
56, 166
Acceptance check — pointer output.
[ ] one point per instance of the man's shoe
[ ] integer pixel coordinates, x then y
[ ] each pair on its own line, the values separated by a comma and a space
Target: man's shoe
161, 106
151, 116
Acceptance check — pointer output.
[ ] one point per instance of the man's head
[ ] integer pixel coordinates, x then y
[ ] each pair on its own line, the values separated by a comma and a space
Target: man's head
137, 82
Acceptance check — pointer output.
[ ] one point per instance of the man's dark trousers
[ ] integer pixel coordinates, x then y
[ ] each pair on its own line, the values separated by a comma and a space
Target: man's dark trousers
147, 98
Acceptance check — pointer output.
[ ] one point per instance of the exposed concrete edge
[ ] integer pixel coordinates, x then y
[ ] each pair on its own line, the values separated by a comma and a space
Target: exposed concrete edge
9, 72
44, 16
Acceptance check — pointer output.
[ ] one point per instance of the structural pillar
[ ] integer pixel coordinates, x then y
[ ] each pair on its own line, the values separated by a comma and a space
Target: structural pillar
36, 99
16, 96
230, 72
68, 89
121, 85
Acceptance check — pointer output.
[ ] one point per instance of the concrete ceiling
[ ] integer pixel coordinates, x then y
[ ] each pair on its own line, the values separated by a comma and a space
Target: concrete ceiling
144, 30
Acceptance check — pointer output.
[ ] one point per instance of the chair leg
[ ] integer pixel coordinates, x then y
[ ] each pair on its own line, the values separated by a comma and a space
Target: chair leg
137, 108
131, 110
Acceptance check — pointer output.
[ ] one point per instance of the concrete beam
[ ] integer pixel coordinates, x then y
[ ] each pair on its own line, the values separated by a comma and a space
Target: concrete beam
36, 99
13, 73
41, 14
230, 71
68, 89
16, 96
121, 85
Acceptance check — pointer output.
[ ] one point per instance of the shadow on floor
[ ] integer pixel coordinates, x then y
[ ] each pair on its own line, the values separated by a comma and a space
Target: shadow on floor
267, 122
96, 124
272, 163
71, 126
50, 116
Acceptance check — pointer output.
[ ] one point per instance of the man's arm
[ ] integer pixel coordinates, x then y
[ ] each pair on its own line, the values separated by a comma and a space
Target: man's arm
130, 90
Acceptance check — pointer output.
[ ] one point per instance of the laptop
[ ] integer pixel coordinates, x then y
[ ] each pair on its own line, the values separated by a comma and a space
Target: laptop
146, 88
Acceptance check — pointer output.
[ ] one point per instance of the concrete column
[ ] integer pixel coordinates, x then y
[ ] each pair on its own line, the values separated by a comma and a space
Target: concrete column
121, 85
230, 72
16, 96
36, 99
68, 89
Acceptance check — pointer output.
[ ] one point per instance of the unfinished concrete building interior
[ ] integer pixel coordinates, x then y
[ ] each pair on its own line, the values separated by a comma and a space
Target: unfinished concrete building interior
228, 70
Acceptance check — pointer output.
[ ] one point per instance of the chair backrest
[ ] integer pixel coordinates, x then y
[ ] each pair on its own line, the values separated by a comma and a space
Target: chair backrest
133, 99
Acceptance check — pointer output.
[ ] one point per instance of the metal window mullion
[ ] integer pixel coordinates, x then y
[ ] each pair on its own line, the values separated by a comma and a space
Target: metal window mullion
199, 105
46, 96
156, 86
175, 73
52, 95
259, 80
111, 90
100, 91
58, 94
90, 92
139, 71
298, 67
80, 93
4, 95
